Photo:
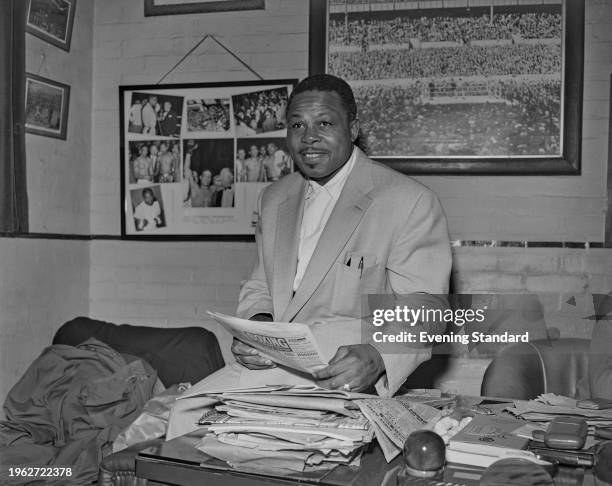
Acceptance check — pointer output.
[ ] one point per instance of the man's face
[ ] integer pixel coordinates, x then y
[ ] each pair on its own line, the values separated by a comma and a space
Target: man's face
163, 148
320, 137
206, 178
262, 151
167, 105
153, 149
271, 149
148, 197
144, 150
241, 154
217, 181
253, 151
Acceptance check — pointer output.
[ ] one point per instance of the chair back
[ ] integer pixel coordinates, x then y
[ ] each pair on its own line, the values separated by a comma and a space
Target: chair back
183, 354
526, 370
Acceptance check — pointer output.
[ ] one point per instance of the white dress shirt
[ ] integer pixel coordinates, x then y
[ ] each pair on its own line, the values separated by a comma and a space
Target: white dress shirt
320, 201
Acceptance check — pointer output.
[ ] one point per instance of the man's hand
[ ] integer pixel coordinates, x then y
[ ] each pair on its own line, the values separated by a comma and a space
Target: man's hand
249, 357
359, 366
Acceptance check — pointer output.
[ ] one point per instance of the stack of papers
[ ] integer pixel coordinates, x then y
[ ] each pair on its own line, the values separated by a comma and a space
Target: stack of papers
285, 427
537, 411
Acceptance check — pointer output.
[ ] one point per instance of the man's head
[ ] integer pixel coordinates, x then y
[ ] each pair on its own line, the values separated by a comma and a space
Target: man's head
148, 196
167, 105
227, 178
322, 125
241, 154
206, 178
262, 151
163, 147
217, 181
272, 148
144, 150
153, 150
253, 151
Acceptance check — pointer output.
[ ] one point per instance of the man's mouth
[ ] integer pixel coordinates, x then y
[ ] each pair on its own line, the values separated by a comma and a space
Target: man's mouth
312, 156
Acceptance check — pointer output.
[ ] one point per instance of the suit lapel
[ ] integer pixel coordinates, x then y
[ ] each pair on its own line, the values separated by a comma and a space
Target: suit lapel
286, 245
343, 221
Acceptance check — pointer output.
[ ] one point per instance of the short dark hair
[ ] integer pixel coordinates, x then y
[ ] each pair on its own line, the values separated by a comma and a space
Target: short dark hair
327, 82
149, 190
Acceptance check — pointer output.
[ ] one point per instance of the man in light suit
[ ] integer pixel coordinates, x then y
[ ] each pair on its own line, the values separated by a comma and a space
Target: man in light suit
342, 227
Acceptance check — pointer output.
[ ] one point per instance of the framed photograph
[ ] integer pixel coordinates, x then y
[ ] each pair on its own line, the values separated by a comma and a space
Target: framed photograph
460, 86
52, 21
194, 157
46, 107
177, 7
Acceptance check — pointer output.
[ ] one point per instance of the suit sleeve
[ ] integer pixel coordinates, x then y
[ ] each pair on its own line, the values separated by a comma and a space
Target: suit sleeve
255, 297
418, 271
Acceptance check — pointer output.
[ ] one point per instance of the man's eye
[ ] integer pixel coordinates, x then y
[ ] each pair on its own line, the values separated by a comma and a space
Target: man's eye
296, 125
326, 124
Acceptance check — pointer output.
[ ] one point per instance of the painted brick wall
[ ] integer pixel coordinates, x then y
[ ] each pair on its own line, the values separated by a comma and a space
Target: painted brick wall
58, 171
43, 283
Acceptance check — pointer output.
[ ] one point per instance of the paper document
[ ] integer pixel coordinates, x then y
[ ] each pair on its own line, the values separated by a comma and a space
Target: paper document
396, 418
288, 344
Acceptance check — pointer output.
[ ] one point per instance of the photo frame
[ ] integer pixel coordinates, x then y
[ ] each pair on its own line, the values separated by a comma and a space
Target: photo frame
46, 107
173, 7
51, 21
195, 157
425, 116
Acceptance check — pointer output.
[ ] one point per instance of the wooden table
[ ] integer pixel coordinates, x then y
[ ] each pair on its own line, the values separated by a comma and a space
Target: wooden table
178, 462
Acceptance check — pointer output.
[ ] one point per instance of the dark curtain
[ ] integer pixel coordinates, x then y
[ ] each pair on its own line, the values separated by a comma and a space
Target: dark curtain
13, 192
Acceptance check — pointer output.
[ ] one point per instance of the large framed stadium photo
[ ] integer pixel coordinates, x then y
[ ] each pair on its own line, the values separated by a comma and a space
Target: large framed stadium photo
195, 157
459, 86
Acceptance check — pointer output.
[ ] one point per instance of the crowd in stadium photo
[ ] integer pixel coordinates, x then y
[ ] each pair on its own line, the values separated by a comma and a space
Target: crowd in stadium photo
447, 61
443, 28
464, 81
398, 123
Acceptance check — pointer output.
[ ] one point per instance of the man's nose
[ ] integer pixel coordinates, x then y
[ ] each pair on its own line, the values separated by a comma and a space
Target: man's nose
310, 134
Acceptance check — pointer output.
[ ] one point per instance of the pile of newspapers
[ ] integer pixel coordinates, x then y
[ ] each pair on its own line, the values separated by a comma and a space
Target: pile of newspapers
285, 427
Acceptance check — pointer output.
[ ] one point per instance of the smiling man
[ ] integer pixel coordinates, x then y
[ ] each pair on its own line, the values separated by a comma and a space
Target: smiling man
341, 227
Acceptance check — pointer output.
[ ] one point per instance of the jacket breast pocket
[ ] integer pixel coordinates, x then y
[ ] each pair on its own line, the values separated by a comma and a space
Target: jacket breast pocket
350, 284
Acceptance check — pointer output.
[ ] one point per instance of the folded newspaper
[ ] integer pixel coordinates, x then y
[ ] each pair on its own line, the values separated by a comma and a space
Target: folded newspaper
393, 419
288, 344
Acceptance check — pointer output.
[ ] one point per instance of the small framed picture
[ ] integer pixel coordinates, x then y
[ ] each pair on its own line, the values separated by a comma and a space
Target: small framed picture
178, 7
51, 20
46, 107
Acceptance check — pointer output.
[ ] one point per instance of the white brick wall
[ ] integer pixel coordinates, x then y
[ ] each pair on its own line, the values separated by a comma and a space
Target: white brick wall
43, 283
59, 171
554, 274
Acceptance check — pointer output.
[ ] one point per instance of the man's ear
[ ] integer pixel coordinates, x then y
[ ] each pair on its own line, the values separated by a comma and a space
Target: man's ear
354, 126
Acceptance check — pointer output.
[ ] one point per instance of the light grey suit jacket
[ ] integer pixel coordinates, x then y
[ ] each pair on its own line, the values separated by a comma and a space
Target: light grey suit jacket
391, 221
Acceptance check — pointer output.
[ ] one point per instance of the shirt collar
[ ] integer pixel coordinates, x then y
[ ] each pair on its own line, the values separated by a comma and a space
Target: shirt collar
335, 185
